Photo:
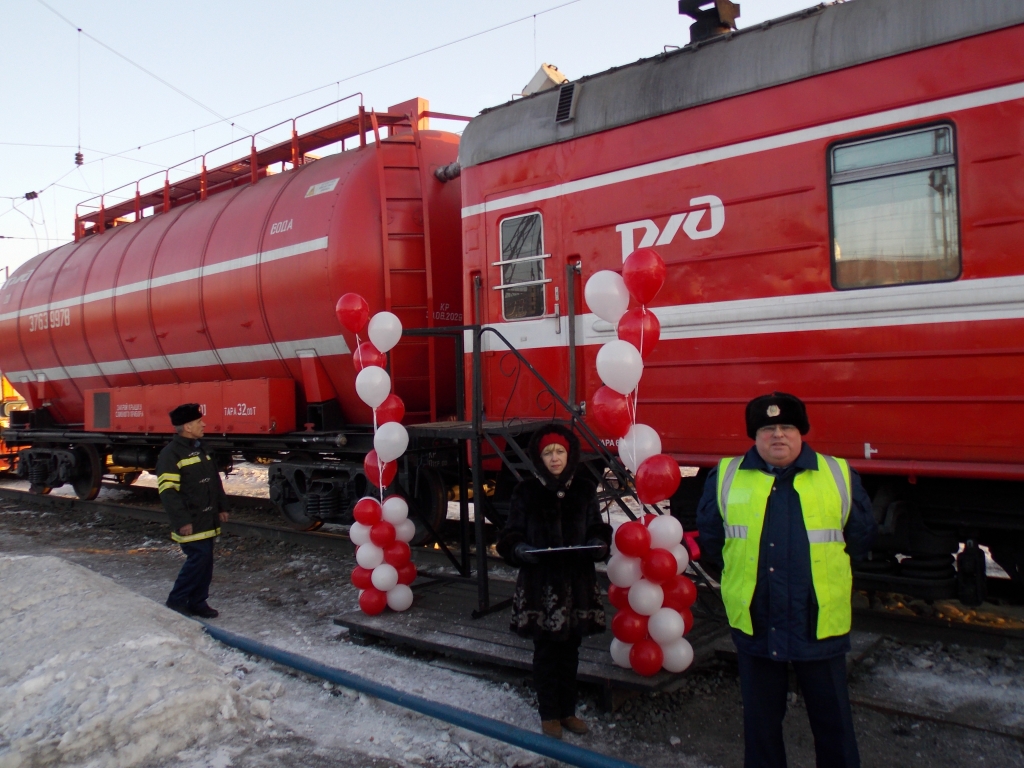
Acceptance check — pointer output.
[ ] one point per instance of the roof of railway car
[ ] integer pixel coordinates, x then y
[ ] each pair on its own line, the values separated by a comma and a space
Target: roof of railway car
821, 39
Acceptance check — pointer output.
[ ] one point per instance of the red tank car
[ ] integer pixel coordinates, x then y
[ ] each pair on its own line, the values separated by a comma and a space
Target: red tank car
837, 197
233, 279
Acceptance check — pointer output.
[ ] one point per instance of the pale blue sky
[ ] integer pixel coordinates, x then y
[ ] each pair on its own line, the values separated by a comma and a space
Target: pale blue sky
233, 56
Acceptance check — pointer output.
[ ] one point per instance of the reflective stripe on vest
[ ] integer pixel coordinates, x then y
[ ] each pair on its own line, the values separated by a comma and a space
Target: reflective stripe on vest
825, 500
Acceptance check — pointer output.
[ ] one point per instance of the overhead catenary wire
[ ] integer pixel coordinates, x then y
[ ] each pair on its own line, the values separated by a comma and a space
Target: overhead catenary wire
229, 119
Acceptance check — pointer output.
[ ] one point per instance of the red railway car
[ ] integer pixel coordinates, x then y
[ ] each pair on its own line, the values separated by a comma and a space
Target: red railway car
837, 195
839, 199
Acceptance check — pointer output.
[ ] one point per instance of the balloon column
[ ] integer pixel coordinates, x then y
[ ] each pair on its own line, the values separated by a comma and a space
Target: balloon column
382, 529
652, 596
648, 588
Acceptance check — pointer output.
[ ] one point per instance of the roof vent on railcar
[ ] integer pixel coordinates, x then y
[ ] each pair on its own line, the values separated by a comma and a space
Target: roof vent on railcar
568, 94
711, 22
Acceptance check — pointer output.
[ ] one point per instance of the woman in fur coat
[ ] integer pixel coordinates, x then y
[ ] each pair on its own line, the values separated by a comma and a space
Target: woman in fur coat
557, 600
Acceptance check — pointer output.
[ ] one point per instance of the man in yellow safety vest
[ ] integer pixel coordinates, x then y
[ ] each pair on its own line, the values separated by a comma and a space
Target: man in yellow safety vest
783, 522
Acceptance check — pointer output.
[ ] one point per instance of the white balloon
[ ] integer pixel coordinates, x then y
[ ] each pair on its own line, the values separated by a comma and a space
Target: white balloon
405, 530
620, 366
399, 598
666, 531
395, 508
607, 295
678, 655
624, 571
640, 443
385, 330
390, 441
665, 626
385, 577
620, 652
682, 557
646, 597
359, 534
373, 385
369, 556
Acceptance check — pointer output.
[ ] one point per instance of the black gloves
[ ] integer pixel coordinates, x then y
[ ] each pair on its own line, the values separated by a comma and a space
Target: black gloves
524, 554
599, 554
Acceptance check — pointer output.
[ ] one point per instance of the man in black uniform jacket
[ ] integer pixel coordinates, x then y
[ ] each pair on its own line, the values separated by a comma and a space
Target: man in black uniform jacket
193, 496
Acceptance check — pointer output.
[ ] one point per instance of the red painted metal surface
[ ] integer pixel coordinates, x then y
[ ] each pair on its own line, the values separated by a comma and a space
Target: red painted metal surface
248, 406
242, 285
939, 394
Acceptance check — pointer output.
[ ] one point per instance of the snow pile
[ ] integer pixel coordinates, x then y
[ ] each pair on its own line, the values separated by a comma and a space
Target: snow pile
93, 673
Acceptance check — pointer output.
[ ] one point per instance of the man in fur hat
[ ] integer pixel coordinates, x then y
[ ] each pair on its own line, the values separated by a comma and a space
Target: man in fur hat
783, 522
192, 495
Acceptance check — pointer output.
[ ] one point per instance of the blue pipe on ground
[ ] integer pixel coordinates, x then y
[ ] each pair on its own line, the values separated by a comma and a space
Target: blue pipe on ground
510, 734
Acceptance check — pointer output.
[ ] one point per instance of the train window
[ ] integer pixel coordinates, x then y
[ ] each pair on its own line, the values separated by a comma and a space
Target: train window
894, 210
522, 266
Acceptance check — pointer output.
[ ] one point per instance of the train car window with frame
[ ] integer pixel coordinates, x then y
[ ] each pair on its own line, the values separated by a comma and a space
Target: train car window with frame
522, 267
893, 209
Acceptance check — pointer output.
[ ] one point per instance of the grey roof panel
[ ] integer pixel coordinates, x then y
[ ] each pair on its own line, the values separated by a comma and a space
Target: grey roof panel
821, 39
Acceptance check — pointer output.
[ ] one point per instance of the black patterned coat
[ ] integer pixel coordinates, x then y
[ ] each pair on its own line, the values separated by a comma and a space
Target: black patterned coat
559, 594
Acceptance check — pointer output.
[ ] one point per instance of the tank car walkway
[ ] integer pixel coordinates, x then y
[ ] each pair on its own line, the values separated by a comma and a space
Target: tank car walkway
441, 622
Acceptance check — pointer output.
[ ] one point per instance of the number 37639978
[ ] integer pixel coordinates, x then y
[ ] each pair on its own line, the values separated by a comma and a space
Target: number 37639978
55, 318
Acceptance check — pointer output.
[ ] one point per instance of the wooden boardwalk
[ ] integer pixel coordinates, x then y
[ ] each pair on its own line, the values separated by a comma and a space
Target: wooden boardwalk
440, 621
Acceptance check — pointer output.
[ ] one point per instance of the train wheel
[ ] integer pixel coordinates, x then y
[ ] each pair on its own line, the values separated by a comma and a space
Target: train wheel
290, 500
431, 498
39, 490
88, 474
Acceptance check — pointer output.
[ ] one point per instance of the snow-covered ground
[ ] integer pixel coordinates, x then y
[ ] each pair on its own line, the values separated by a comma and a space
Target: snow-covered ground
97, 616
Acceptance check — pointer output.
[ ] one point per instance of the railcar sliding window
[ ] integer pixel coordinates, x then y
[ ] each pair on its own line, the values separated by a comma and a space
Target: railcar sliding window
522, 266
894, 210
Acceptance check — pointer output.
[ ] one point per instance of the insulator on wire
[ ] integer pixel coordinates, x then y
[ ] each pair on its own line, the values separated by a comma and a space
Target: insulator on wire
31, 195
78, 158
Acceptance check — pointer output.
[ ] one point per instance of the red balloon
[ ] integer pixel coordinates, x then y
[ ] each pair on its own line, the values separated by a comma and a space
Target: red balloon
687, 620
373, 601
406, 573
397, 553
643, 271
375, 475
659, 565
657, 479
645, 657
367, 354
648, 519
353, 312
361, 577
382, 534
618, 596
680, 593
392, 409
367, 511
629, 626
612, 413
639, 322
633, 540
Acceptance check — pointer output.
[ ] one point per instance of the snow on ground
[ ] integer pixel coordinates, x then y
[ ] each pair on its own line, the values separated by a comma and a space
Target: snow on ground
81, 683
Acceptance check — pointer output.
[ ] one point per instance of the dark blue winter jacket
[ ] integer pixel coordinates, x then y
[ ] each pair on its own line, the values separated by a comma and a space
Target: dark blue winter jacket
784, 611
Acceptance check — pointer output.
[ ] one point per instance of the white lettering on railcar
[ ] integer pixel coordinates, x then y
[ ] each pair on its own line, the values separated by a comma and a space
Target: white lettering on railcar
129, 411
688, 221
55, 318
445, 313
281, 226
240, 409
322, 187
17, 279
